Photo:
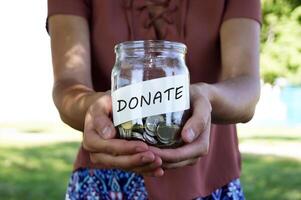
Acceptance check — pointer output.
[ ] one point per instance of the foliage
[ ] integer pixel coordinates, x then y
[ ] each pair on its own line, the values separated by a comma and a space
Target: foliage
280, 40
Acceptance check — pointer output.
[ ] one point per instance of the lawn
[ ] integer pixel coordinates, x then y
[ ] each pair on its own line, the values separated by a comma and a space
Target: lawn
271, 178
41, 171
35, 173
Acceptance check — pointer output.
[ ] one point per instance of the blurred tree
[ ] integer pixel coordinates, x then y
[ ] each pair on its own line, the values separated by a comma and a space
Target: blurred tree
281, 40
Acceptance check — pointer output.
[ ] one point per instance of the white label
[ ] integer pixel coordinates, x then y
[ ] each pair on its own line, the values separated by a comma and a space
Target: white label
153, 97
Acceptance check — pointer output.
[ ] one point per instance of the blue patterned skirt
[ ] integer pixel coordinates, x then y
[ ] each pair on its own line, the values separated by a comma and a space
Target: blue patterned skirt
99, 184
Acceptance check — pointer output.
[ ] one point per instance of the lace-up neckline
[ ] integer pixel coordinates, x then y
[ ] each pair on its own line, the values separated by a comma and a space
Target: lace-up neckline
158, 11
159, 17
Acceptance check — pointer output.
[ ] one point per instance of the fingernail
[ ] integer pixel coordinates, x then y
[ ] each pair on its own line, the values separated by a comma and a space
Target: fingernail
106, 132
147, 158
190, 135
159, 173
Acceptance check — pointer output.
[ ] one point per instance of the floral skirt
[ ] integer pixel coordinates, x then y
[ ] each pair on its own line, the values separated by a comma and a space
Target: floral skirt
100, 184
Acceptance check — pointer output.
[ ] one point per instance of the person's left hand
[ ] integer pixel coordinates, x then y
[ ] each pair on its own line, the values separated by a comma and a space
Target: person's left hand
195, 133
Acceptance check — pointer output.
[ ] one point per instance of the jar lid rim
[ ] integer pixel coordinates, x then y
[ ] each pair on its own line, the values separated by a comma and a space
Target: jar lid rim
144, 44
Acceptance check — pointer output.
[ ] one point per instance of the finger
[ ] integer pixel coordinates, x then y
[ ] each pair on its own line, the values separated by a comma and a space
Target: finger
184, 163
104, 127
98, 117
103, 124
125, 162
105, 103
199, 120
153, 169
156, 173
94, 143
197, 148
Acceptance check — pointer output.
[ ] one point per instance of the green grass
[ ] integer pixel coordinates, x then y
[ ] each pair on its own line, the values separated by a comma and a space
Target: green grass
34, 172
271, 177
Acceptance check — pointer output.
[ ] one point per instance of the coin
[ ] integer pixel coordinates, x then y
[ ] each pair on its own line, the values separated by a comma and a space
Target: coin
164, 142
177, 117
128, 133
127, 125
168, 118
138, 126
167, 134
121, 132
150, 133
125, 133
152, 122
138, 136
149, 139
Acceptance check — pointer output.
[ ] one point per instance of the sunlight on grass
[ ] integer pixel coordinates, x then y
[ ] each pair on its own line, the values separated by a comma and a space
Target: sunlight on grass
271, 177
35, 127
280, 141
37, 172
273, 132
18, 135
38, 165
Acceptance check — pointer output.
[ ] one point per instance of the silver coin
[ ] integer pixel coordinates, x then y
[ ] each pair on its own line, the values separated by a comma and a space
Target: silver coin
128, 133
152, 122
167, 134
149, 139
125, 133
138, 136
150, 133
177, 117
168, 118
164, 142
121, 132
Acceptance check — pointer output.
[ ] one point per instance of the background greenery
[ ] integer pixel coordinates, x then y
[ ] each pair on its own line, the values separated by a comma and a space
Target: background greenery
281, 40
40, 169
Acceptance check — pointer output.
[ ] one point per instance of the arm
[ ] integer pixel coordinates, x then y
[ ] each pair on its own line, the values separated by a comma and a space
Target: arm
231, 100
72, 90
86, 110
234, 98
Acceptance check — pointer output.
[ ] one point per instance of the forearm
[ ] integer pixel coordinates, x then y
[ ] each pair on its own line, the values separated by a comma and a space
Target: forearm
72, 101
232, 100
70, 45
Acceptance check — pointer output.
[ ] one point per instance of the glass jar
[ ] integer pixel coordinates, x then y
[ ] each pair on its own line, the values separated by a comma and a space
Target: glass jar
150, 91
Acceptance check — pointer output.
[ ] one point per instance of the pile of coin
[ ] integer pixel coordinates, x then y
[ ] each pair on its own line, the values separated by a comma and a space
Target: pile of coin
159, 130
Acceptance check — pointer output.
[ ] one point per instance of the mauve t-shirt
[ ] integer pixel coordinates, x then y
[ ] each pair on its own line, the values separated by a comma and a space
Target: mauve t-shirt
195, 23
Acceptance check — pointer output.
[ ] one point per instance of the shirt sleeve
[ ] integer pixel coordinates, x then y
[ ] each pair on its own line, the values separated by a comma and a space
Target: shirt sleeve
80, 8
243, 9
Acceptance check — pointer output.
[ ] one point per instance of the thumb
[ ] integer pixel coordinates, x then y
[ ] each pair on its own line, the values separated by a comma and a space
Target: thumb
199, 120
100, 112
104, 127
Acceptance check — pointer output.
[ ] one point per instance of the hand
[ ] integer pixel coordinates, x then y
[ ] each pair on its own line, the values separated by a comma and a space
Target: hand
195, 133
99, 140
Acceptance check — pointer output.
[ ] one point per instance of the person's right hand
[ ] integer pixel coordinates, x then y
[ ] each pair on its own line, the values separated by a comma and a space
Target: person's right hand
100, 140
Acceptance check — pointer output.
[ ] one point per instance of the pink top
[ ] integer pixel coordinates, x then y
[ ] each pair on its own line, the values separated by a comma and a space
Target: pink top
195, 23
